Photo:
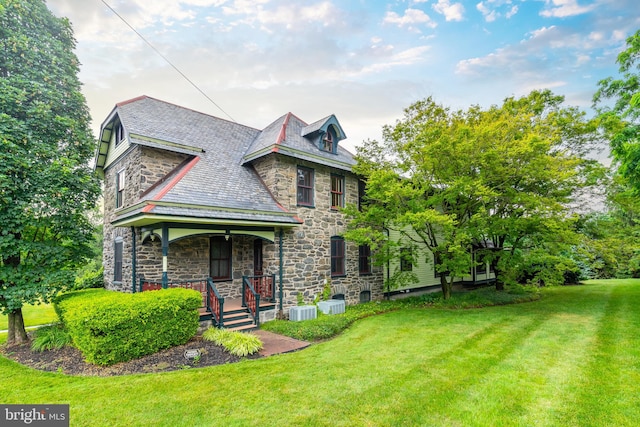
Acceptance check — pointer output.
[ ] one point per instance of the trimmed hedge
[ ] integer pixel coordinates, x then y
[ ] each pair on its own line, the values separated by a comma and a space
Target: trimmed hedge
110, 327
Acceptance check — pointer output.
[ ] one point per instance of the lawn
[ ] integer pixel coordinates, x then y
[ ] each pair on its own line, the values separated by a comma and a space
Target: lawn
33, 315
570, 359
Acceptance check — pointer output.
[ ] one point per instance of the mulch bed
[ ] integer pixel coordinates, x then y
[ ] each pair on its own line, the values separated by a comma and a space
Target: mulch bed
69, 360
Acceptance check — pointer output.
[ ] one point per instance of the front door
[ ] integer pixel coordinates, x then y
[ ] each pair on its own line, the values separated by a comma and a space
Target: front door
257, 257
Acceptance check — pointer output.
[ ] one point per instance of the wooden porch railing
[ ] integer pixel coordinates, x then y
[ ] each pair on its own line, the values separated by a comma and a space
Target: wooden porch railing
199, 285
264, 285
215, 303
251, 300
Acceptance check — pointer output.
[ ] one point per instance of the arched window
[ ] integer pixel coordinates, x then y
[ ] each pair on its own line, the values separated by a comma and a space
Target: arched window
328, 141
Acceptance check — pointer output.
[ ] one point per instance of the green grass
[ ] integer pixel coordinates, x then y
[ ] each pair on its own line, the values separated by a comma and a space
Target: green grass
33, 315
570, 359
328, 326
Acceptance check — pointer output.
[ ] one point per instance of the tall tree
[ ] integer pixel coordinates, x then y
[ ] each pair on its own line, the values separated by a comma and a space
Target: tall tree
497, 181
618, 102
46, 183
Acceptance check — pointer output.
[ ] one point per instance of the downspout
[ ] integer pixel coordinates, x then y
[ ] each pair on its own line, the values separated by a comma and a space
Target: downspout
165, 256
388, 265
133, 259
281, 267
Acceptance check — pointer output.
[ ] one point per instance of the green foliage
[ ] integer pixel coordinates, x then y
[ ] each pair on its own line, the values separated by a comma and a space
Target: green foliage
300, 298
89, 277
621, 120
110, 327
326, 290
510, 173
46, 182
237, 343
50, 337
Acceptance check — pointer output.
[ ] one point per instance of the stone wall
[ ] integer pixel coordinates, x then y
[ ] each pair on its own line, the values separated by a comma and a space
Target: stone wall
143, 167
307, 248
188, 259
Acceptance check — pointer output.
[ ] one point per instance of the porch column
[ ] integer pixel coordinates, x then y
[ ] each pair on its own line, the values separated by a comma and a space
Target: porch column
281, 266
165, 256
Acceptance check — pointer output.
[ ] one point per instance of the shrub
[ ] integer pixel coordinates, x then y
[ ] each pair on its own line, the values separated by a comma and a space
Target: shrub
50, 337
111, 327
237, 343
89, 278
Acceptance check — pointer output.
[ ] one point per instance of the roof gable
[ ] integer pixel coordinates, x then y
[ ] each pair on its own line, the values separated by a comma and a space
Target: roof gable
291, 136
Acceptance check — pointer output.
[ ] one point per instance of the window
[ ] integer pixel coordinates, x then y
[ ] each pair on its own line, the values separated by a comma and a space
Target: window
327, 141
305, 186
119, 132
436, 261
220, 258
364, 259
337, 256
118, 249
119, 189
337, 191
406, 259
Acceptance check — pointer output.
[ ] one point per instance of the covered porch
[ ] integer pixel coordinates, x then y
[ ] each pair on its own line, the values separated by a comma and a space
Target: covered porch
237, 266
258, 296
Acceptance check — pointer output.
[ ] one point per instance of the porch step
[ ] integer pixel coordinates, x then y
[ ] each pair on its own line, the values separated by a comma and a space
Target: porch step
236, 317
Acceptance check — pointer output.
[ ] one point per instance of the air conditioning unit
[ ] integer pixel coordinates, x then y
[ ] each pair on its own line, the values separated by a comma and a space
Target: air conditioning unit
332, 306
302, 312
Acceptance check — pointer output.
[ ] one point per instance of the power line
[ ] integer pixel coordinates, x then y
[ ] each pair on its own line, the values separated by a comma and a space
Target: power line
168, 62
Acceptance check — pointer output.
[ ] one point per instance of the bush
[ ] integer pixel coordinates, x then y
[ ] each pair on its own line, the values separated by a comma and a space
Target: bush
237, 343
50, 337
111, 327
89, 278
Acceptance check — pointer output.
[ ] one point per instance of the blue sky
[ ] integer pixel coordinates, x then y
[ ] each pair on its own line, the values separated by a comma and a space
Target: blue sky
362, 60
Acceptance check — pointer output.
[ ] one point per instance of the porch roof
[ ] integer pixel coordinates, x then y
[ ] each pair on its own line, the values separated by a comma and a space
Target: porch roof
152, 211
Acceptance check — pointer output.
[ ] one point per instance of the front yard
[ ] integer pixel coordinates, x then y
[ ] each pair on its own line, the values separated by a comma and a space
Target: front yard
570, 359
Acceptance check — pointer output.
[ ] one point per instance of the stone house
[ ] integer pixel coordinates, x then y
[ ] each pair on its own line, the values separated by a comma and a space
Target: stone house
235, 212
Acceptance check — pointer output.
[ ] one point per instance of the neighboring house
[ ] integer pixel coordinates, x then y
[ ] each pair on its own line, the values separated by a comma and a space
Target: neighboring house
188, 196
424, 270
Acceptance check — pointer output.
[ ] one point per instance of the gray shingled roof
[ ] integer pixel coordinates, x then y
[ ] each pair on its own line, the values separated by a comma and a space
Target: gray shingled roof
291, 142
221, 184
217, 180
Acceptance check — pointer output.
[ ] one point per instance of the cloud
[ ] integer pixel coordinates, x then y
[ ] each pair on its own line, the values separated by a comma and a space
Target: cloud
564, 8
451, 12
290, 15
410, 18
491, 10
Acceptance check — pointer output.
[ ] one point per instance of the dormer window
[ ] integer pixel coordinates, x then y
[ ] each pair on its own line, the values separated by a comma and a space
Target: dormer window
327, 142
118, 130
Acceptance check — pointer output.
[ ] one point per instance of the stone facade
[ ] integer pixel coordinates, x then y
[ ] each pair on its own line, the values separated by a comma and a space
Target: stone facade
307, 248
143, 167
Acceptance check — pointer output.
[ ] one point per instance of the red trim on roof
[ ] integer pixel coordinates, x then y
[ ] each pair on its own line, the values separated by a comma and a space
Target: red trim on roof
176, 179
148, 208
129, 101
283, 130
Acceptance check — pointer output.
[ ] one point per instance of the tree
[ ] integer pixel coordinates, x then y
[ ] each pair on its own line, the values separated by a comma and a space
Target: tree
621, 120
498, 181
46, 183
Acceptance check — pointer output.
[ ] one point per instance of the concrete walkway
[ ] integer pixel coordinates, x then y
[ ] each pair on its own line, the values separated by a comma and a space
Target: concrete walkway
277, 344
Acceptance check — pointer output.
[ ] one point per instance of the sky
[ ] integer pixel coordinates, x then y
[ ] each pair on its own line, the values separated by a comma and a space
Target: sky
364, 61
